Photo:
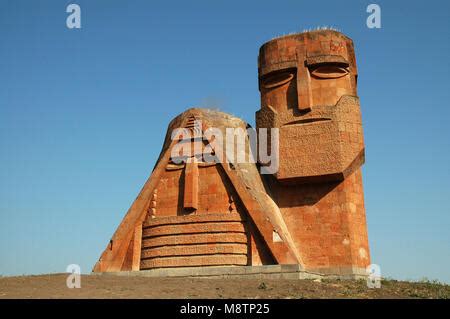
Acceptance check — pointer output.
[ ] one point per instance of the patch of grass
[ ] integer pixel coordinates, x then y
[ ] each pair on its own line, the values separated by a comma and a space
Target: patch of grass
425, 280
262, 285
388, 282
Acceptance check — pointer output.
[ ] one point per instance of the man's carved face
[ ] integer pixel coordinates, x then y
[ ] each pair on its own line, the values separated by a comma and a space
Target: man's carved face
307, 83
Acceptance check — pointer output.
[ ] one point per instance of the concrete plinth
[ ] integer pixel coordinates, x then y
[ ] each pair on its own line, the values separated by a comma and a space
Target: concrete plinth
251, 272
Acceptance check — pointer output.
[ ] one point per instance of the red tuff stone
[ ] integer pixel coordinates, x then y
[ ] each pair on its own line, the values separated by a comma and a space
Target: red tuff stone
309, 212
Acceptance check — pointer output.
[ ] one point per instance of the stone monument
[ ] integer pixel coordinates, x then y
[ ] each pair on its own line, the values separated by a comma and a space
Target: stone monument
308, 212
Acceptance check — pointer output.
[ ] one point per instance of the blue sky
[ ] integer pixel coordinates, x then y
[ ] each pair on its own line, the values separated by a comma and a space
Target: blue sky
83, 114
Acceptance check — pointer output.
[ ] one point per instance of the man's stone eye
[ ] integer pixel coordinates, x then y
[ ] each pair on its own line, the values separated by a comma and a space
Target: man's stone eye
329, 71
278, 79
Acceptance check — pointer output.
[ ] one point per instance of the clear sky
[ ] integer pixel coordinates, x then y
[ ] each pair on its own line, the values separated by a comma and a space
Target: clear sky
83, 114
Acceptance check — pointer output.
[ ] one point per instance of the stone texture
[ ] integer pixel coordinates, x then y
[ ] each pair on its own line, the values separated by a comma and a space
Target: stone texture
308, 90
308, 217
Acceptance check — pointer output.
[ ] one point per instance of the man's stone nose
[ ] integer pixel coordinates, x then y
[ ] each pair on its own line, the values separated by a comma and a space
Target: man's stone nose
304, 96
304, 108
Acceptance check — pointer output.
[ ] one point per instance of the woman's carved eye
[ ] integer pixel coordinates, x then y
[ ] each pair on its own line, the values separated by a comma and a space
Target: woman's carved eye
278, 79
174, 167
329, 72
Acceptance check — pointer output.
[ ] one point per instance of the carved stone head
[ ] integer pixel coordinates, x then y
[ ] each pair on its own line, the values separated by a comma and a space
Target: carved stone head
307, 83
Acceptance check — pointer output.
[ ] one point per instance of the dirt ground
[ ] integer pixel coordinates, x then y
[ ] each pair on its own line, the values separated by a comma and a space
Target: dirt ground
54, 286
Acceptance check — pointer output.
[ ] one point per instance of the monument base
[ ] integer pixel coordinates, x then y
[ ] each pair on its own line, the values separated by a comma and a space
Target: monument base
251, 272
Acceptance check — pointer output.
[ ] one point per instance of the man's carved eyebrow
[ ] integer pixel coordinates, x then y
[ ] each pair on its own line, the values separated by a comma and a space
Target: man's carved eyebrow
274, 67
323, 59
